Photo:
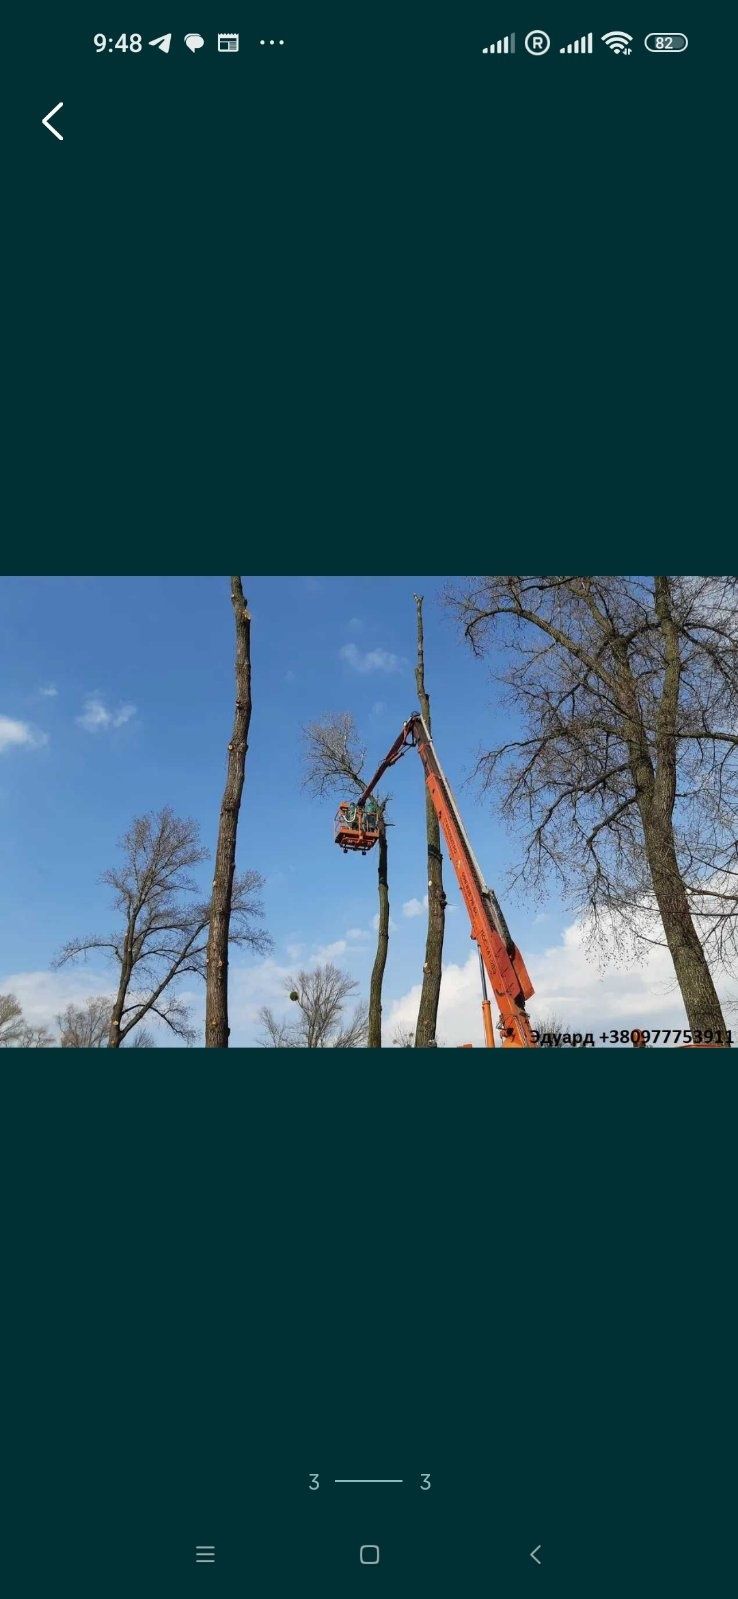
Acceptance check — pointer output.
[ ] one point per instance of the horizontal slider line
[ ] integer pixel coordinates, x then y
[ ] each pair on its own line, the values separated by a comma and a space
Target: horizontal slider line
368, 1479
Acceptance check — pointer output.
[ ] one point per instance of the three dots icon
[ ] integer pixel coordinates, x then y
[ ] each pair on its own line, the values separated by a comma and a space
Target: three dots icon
271, 41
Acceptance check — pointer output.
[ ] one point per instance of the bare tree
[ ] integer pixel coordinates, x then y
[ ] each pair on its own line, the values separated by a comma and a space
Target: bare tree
320, 994
85, 1026
626, 777
335, 760
403, 1038
36, 1037
277, 1034
216, 982
15, 1032
164, 927
425, 1030
549, 1028
11, 1021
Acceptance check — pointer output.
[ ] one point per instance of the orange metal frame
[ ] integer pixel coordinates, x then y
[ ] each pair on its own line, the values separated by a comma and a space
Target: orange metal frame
500, 957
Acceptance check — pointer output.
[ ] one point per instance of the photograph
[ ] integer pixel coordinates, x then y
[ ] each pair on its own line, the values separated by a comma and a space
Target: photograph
378, 812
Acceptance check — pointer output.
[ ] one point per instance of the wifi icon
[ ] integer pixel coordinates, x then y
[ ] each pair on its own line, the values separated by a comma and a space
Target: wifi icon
618, 42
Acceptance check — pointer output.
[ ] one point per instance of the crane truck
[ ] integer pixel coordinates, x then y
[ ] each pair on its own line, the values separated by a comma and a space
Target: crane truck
357, 828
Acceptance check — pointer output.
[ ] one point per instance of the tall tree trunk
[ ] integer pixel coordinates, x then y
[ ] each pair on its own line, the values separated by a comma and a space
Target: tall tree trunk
126, 968
114, 1039
656, 786
216, 1001
425, 1031
374, 1038
692, 971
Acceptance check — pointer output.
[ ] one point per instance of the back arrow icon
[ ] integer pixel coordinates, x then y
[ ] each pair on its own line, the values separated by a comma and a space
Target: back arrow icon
47, 120
534, 1554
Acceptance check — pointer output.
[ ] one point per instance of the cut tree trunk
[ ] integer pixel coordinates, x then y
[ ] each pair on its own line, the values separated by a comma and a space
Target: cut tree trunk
425, 1031
216, 1001
374, 1037
114, 1038
115, 1034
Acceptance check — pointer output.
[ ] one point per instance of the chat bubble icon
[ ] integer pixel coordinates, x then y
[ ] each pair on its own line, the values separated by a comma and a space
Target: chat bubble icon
194, 41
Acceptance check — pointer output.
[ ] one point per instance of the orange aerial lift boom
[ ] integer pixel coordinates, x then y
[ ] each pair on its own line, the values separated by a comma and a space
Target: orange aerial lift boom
499, 957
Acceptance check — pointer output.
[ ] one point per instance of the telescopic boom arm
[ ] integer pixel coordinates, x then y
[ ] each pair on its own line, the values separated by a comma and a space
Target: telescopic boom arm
499, 956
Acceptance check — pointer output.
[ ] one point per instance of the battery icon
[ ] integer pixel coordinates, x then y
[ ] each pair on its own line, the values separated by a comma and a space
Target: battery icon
666, 44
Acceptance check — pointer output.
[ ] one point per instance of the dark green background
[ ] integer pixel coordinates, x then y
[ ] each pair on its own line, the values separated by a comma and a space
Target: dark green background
515, 1275
371, 299
373, 303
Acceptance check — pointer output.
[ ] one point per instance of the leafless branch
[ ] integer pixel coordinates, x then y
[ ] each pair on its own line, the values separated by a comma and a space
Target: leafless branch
319, 994
164, 927
624, 777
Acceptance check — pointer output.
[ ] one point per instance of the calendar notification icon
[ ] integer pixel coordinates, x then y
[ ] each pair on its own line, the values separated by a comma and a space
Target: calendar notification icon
228, 43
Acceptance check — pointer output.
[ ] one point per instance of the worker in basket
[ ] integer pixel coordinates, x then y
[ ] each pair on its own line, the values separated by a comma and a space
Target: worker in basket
371, 815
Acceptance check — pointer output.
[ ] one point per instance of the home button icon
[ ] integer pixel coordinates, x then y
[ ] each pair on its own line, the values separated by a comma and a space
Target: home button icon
369, 1554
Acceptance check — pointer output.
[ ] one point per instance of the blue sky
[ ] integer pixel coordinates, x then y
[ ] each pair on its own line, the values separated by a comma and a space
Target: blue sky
116, 697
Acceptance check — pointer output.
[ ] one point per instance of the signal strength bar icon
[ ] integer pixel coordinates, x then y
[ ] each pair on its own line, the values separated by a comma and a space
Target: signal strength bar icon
578, 47
503, 47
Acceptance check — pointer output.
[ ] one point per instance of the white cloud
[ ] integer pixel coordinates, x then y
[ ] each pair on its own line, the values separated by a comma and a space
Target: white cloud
354, 625
43, 995
49, 691
289, 675
20, 735
641, 991
96, 718
250, 987
328, 952
415, 907
267, 982
459, 1011
370, 660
